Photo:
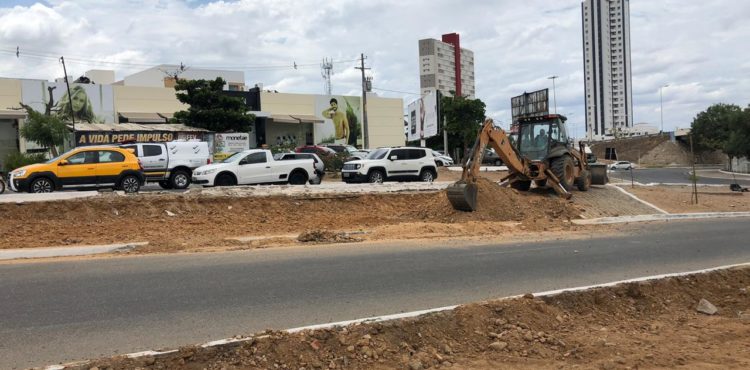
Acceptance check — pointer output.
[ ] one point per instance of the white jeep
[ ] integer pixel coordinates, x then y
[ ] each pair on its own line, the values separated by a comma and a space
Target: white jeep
392, 164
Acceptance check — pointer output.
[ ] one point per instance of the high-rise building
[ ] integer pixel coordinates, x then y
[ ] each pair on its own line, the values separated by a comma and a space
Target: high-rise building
445, 66
606, 62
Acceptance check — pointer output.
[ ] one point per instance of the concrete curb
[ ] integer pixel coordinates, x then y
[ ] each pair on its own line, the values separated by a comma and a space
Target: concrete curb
733, 173
660, 217
407, 315
23, 253
481, 168
639, 199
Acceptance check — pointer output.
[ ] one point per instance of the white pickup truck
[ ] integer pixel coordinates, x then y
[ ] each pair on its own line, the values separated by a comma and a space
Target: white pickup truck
171, 164
255, 166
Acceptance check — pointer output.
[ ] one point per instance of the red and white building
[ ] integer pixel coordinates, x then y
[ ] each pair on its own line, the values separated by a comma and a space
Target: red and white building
445, 66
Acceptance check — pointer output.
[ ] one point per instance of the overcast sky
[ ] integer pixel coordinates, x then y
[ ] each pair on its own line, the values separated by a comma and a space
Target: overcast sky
699, 48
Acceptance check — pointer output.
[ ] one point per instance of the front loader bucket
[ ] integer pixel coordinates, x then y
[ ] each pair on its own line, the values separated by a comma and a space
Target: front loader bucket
598, 174
463, 196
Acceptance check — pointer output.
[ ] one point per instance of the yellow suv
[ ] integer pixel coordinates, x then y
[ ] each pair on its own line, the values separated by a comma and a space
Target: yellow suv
84, 167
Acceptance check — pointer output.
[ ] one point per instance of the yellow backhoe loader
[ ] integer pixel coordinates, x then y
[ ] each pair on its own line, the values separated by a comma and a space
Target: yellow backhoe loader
541, 152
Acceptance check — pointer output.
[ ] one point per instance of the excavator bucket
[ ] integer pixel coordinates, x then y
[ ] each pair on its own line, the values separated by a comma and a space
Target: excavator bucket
463, 196
598, 174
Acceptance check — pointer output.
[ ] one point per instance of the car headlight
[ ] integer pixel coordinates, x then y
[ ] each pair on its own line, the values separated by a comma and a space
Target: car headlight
18, 173
357, 166
207, 172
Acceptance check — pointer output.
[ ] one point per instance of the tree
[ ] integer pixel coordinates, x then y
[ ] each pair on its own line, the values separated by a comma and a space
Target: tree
713, 129
738, 142
463, 119
46, 130
210, 108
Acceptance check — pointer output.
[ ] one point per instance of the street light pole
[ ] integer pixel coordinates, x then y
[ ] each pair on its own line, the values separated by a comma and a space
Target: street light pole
554, 93
661, 105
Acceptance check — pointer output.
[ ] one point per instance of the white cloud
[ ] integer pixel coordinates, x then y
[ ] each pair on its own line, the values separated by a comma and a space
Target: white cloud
696, 47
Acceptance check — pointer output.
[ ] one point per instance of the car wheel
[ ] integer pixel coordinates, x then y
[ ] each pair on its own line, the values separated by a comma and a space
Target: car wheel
179, 180
2, 186
439, 163
41, 185
130, 184
498, 163
297, 178
165, 184
225, 179
427, 176
376, 177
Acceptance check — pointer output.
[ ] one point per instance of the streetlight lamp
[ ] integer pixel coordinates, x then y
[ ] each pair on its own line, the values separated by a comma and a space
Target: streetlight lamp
661, 105
554, 93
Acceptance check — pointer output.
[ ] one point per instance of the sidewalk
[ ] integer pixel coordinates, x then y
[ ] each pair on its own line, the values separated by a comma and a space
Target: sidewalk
11, 254
11, 197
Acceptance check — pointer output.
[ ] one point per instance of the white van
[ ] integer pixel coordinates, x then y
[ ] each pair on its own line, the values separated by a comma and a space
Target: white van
171, 164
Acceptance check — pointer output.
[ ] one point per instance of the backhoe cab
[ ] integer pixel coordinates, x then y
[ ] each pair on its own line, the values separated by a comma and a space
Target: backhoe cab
541, 152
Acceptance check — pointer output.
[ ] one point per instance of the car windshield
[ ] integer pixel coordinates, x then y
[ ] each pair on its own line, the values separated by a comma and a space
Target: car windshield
351, 149
233, 158
56, 158
378, 154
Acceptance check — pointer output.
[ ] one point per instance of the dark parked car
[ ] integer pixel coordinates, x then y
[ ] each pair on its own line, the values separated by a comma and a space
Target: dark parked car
491, 158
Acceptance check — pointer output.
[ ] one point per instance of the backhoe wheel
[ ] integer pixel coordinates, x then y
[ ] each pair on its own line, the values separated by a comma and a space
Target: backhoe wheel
540, 183
564, 170
521, 185
584, 181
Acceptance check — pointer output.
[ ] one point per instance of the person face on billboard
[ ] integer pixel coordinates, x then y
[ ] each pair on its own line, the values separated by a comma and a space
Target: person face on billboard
79, 104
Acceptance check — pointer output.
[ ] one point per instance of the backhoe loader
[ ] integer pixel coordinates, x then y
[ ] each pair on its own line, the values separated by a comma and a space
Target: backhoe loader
541, 153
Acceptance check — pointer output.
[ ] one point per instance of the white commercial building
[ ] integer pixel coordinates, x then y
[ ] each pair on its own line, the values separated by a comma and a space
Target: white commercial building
163, 76
442, 68
607, 70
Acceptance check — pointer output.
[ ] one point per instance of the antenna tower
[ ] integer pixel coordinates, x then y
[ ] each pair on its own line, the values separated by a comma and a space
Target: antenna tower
326, 70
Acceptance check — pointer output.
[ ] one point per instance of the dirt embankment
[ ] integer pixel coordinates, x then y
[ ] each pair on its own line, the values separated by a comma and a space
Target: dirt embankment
175, 222
637, 325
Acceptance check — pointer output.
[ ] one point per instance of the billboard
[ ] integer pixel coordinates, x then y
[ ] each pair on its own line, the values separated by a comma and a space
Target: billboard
87, 103
423, 117
342, 120
228, 144
533, 104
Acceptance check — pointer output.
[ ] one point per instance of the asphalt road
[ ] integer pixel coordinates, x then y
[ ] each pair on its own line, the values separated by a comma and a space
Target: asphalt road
69, 310
673, 176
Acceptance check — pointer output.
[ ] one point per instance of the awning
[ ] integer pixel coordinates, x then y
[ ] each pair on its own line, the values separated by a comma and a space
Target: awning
142, 117
295, 118
133, 127
12, 114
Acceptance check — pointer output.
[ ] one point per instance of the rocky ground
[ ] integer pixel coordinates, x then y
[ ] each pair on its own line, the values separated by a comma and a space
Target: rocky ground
698, 322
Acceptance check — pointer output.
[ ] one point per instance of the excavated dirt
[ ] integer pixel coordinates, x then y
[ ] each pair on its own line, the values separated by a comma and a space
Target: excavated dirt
182, 222
651, 324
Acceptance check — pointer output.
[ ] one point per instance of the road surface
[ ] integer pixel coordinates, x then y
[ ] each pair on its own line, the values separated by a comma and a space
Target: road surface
675, 176
60, 311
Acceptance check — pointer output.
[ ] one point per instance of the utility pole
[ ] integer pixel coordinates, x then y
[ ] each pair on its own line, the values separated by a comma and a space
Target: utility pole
366, 132
70, 101
661, 105
554, 92
694, 197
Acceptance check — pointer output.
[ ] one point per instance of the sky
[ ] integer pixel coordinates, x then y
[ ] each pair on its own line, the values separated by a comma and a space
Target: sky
698, 48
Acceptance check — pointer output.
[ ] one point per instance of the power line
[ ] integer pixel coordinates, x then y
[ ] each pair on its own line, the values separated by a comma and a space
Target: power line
395, 91
21, 53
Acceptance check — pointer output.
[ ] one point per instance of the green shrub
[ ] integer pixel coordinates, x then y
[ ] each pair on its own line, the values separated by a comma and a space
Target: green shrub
334, 163
16, 160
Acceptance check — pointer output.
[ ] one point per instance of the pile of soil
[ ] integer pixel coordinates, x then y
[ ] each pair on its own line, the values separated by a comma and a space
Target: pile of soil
647, 324
175, 222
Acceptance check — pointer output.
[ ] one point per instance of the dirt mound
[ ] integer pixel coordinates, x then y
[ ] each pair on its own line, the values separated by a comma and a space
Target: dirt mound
648, 324
172, 222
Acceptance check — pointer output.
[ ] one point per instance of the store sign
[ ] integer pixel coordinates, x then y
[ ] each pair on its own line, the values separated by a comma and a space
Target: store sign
529, 105
228, 144
85, 138
423, 117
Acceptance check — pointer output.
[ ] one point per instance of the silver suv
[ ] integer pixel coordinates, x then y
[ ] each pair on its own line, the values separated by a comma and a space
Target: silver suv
392, 164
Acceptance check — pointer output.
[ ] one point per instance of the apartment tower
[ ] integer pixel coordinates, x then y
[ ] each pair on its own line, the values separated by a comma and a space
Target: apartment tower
606, 62
445, 66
